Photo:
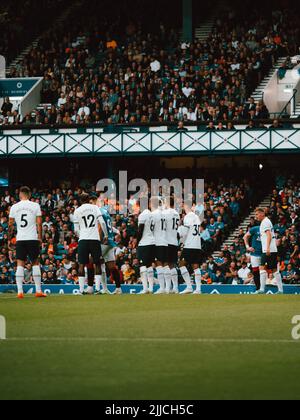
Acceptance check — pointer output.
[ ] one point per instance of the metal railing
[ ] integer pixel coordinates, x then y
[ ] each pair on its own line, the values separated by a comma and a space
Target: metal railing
292, 104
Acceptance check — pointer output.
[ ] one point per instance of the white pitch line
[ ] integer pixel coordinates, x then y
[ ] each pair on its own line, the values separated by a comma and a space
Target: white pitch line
154, 340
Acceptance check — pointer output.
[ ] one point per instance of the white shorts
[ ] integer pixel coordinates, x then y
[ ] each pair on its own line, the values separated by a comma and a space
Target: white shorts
255, 261
108, 253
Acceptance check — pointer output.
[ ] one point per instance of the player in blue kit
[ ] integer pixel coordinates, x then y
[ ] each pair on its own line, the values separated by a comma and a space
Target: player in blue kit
108, 253
253, 244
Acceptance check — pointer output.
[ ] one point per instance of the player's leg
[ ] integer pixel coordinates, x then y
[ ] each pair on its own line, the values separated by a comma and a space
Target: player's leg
143, 257
144, 279
97, 278
34, 255
168, 278
83, 260
20, 273
94, 269
150, 275
161, 256
20, 277
198, 258
115, 273
160, 277
198, 279
256, 263
263, 273
185, 274
276, 272
174, 274
105, 258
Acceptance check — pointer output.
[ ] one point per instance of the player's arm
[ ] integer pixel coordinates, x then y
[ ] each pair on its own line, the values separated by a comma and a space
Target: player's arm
116, 231
183, 233
247, 238
39, 224
11, 230
102, 229
140, 232
76, 225
269, 240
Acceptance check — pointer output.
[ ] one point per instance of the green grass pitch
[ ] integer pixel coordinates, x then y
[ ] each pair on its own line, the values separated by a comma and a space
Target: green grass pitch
150, 347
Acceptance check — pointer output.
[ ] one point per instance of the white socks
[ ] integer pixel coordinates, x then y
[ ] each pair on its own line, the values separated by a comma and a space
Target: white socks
168, 279
81, 284
278, 278
263, 280
198, 277
150, 274
174, 275
37, 276
20, 279
103, 277
161, 278
98, 279
186, 277
144, 278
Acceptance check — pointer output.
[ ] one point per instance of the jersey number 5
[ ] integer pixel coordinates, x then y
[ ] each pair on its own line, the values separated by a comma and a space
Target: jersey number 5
24, 222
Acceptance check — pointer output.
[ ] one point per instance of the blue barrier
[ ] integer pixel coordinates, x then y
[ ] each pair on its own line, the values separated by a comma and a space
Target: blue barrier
135, 289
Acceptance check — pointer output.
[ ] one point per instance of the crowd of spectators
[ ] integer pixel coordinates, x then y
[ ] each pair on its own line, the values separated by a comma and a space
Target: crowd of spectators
122, 71
224, 206
21, 22
233, 265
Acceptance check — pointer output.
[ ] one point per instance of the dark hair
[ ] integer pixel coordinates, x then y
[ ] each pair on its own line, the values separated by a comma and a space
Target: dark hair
84, 199
26, 191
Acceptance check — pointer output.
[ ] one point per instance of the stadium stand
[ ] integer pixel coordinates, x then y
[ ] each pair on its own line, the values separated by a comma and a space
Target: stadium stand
22, 23
147, 75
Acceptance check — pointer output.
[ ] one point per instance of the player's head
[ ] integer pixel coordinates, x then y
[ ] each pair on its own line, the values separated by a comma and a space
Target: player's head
84, 199
93, 199
25, 193
188, 206
155, 203
169, 202
260, 214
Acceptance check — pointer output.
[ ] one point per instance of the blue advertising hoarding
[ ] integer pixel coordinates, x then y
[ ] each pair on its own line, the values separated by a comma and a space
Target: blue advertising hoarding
135, 289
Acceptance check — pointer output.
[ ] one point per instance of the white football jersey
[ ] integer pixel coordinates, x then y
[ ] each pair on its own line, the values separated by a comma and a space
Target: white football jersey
191, 225
87, 219
173, 222
145, 219
160, 228
25, 214
267, 225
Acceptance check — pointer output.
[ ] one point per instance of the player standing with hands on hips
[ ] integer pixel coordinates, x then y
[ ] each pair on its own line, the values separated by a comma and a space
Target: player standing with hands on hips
27, 216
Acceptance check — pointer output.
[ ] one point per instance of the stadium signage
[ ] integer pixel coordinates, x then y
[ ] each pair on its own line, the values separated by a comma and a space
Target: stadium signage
16, 87
69, 289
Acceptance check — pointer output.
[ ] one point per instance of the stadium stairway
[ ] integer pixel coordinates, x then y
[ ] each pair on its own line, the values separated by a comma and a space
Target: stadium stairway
297, 111
59, 21
202, 32
258, 94
244, 225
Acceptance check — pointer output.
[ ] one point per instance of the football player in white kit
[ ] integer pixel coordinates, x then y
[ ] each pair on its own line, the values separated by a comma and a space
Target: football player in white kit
269, 260
89, 225
146, 250
172, 225
27, 216
161, 244
191, 254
